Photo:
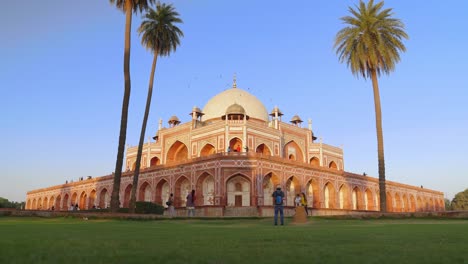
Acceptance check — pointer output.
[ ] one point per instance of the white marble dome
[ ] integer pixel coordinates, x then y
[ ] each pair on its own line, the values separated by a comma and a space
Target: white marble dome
217, 105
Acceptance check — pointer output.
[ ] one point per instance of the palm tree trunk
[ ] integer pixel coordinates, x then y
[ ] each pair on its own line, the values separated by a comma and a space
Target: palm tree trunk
142, 135
380, 143
115, 201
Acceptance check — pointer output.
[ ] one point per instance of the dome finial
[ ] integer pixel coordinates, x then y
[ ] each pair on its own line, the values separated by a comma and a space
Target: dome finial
234, 81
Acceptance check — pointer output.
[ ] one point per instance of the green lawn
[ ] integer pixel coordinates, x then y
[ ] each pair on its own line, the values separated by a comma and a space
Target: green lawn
68, 240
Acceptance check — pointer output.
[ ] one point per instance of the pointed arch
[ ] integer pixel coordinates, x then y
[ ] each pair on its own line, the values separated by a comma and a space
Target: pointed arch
34, 204
390, 202
126, 196
263, 149
144, 193
39, 204
329, 195
51, 203
235, 144
238, 191
182, 189
293, 152
155, 161
270, 181
92, 199
313, 194
398, 207
103, 198
425, 204
412, 204
205, 189
343, 193
314, 161
74, 198
163, 190
45, 204
357, 199
58, 202
404, 203
82, 202
177, 152
207, 150
332, 165
419, 204
65, 202
431, 204
293, 187
369, 201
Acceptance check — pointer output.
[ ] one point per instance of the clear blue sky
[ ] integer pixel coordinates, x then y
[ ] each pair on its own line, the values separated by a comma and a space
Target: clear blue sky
61, 82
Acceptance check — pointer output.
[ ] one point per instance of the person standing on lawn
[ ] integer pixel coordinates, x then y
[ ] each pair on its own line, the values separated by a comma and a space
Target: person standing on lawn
278, 196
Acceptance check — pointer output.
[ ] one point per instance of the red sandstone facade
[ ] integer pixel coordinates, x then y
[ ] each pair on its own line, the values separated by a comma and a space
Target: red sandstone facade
233, 158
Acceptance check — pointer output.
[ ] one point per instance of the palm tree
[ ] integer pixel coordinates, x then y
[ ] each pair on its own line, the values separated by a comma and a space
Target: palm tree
370, 45
127, 6
161, 37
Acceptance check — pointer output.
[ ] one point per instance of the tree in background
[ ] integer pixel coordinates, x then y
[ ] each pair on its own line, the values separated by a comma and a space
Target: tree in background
460, 201
127, 6
161, 36
4, 203
370, 45
448, 206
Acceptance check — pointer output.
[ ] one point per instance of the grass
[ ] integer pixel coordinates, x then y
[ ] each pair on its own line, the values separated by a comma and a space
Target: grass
71, 240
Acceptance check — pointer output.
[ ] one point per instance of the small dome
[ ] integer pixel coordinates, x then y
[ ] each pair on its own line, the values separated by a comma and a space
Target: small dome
235, 109
173, 118
197, 111
276, 110
296, 119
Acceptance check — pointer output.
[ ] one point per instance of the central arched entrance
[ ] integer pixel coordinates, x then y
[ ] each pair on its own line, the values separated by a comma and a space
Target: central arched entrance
177, 152
238, 191
292, 151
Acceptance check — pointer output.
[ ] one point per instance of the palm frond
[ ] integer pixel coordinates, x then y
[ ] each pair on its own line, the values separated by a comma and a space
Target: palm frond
158, 30
138, 6
372, 39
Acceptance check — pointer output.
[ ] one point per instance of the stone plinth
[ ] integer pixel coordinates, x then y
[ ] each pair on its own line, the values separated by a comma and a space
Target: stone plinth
300, 217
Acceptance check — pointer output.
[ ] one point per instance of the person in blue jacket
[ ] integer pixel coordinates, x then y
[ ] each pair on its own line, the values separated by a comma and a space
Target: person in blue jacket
278, 196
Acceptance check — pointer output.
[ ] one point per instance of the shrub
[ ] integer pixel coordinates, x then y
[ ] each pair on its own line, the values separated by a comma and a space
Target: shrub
122, 210
149, 208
